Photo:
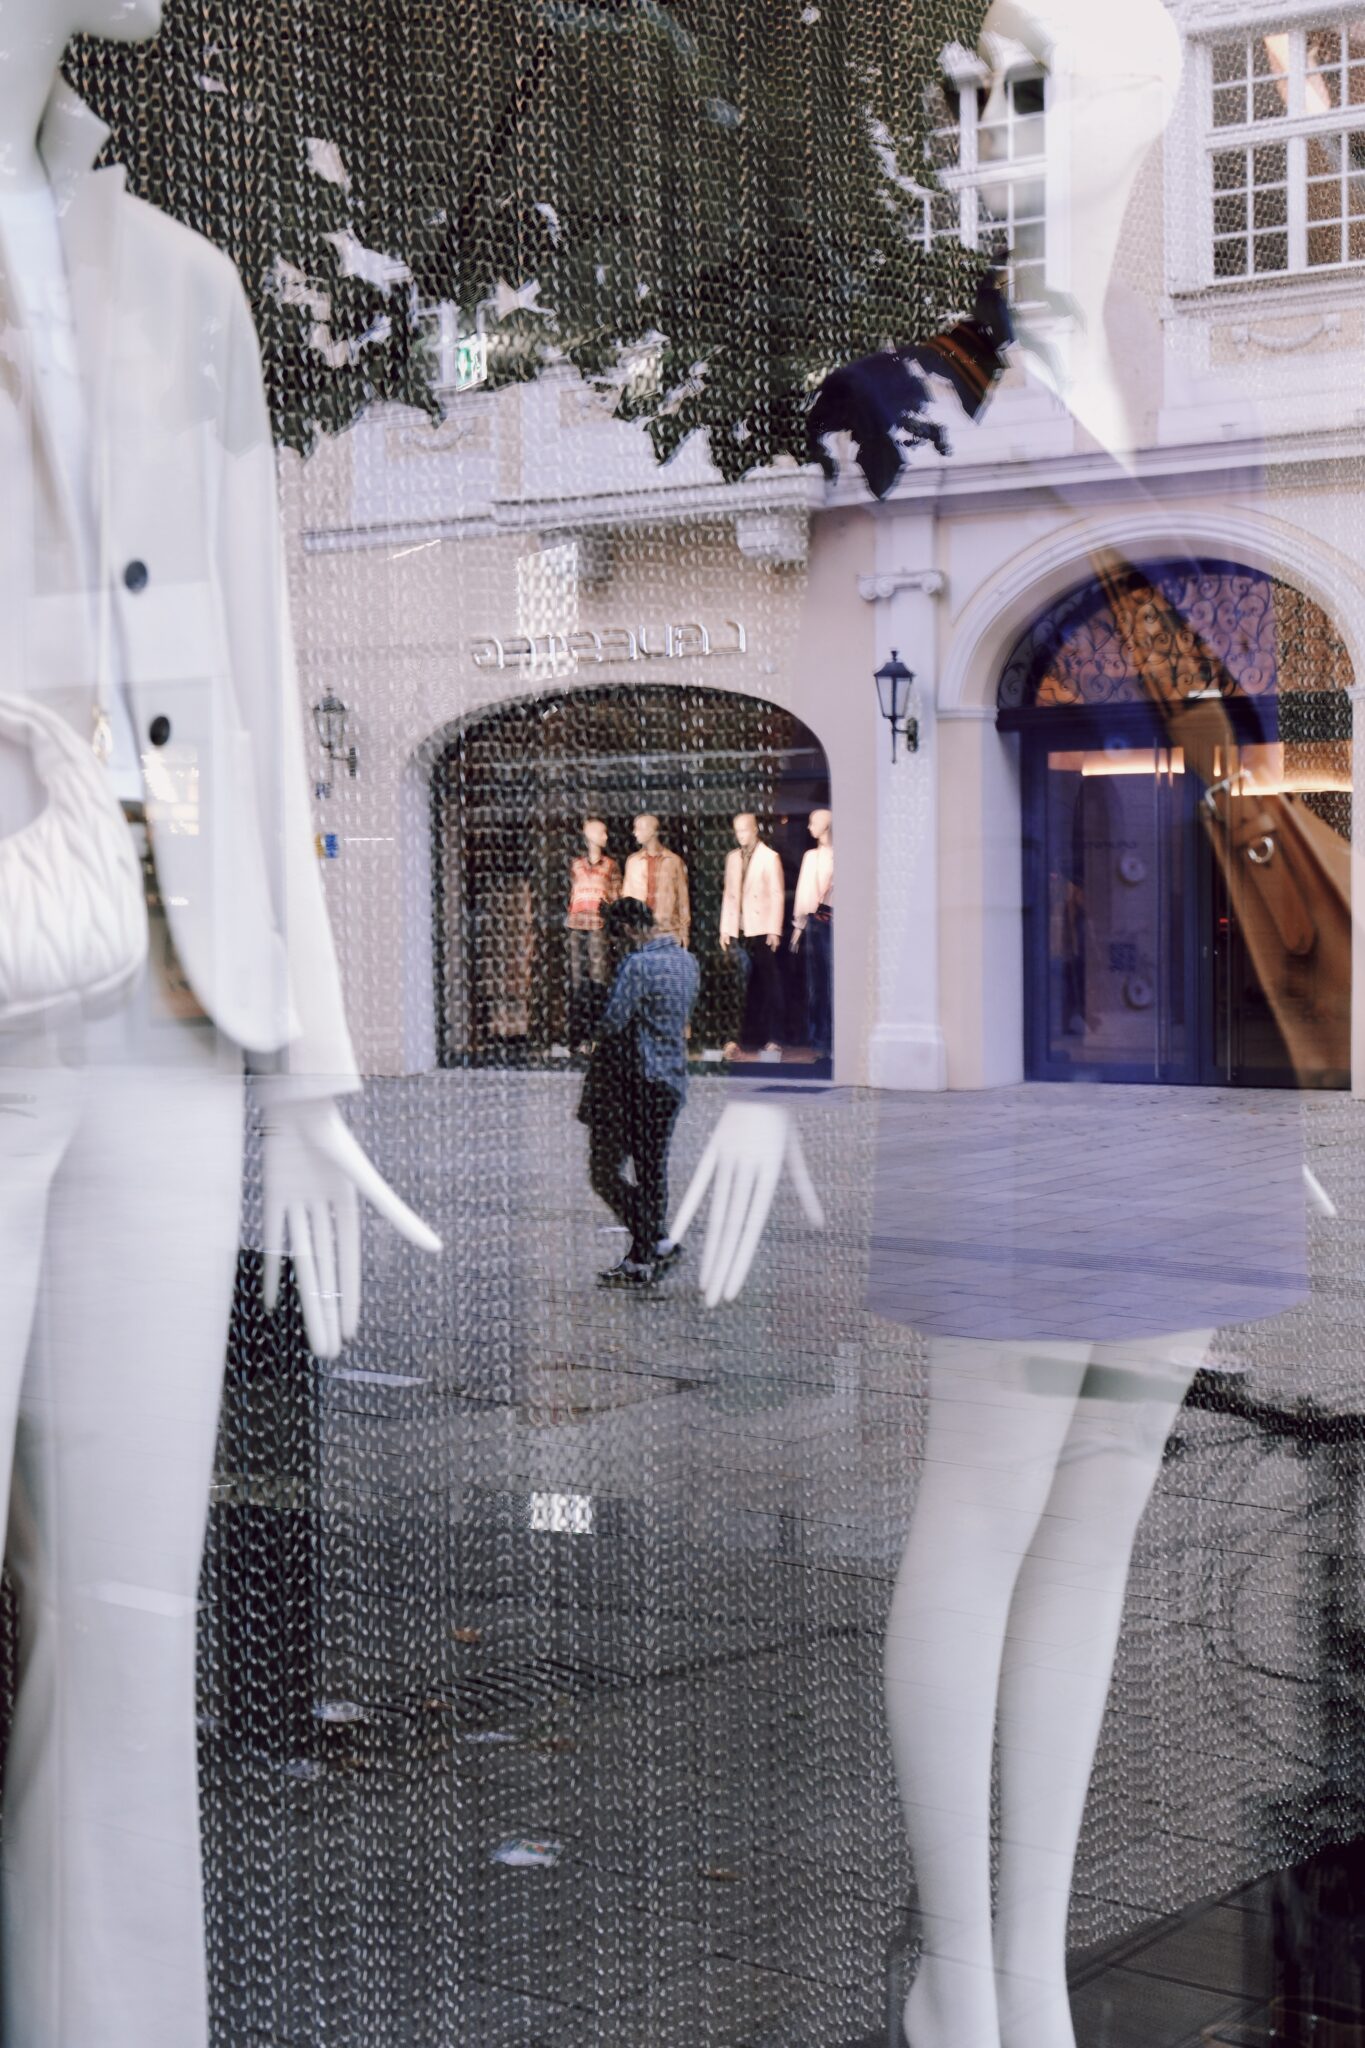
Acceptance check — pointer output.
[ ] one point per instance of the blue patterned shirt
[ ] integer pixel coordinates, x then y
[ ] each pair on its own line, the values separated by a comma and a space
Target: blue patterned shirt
654, 990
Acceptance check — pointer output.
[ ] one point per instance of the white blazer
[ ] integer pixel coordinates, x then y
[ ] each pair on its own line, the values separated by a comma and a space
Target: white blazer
761, 913
191, 571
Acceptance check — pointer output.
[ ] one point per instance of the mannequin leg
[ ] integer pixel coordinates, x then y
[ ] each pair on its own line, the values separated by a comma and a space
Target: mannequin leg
103, 1915
1059, 1655
599, 978
817, 943
38, 1109
998, 1417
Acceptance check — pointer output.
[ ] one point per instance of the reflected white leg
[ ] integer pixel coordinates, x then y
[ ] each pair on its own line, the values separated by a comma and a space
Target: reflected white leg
998, 1418
1059, 1655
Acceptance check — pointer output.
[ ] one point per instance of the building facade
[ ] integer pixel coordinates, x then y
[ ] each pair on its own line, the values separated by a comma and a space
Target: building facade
1024, 894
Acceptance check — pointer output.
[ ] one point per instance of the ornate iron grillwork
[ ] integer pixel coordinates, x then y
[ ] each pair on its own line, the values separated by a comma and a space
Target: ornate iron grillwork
1226, 627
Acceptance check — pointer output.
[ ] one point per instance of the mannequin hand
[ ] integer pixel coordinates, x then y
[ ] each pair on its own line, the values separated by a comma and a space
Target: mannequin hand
724, 943
315, 1174
774, 941
796, 942
745, 1156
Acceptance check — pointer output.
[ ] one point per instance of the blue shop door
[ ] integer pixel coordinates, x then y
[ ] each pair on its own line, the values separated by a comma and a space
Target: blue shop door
1136, 960
1115, 935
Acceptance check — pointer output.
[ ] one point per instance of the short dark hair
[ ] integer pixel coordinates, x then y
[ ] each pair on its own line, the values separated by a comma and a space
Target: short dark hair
627, 914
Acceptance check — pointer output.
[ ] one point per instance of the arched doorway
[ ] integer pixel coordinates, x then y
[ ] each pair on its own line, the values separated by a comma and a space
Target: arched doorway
510, 790
1138, 965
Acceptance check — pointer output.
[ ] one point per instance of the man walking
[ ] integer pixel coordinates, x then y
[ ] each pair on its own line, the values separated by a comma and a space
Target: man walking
636, 1085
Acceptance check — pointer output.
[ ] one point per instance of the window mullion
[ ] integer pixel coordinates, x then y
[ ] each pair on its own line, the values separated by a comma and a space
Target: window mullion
967, 225
1298, 203
1298, 73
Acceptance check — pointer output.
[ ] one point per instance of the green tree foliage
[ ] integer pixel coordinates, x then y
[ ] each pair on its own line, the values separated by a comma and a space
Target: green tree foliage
704, 204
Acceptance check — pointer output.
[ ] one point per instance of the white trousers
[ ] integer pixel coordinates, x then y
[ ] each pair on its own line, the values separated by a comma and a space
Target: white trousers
120, 1186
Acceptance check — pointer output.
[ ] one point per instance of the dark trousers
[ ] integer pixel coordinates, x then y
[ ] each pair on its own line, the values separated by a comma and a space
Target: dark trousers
762, 994
817, 943
637, 1126
589, 979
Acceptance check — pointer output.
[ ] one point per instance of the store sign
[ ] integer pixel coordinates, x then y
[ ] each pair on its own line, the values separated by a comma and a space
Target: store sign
689, 642
471, 361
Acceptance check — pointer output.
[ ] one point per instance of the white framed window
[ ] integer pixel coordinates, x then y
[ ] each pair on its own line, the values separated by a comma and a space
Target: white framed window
986, 162
1284, 142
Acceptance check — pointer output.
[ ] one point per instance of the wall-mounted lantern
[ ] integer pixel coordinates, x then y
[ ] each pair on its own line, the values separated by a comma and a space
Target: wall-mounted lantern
330, 719
894, 680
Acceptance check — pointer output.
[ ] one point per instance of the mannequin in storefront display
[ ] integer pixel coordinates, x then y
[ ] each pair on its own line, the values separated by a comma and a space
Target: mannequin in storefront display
1064, 1268
594, 882
657, 876
752, 913
161, 635
813, 931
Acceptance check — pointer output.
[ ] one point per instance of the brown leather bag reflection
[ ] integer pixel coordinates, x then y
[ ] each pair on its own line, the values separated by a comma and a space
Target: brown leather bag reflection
1287, 872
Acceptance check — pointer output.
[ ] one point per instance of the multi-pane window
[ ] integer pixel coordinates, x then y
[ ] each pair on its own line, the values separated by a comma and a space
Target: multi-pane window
985, 152
1287, 146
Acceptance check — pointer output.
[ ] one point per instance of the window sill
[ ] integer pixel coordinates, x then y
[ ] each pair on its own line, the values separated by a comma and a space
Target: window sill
1302, 286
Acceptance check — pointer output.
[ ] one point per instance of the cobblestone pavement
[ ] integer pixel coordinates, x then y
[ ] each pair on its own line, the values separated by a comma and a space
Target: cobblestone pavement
608, 1574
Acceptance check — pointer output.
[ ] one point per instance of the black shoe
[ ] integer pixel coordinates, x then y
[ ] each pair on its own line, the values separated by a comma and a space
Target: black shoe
664, 1261
629, 1272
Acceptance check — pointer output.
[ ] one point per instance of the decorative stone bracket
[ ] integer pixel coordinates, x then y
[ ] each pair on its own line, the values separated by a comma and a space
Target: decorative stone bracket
877, 589
1275, 343
778, 536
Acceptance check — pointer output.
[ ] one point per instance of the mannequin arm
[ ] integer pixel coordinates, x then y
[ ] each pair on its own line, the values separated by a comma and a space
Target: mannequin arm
741, 1167
315, 1177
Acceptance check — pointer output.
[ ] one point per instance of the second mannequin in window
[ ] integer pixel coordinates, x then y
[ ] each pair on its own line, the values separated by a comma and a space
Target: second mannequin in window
752, 913
594, 882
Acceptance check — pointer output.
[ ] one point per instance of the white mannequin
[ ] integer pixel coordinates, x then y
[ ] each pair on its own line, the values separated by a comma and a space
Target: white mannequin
121, 1141
314, 1169
753, 908
746, 833
809, 883
1009, 1599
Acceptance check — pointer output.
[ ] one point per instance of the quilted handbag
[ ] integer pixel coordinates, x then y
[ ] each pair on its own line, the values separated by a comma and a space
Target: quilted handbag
73, 917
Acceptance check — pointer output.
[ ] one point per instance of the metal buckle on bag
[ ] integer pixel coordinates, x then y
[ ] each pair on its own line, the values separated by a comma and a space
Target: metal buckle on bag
1263, 851
1217, 789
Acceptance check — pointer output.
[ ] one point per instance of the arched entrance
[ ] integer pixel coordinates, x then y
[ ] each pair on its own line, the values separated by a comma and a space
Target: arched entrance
1138, 933
510, 790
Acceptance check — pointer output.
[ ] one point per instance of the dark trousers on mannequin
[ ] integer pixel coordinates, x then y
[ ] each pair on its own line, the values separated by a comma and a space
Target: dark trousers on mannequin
762, 994
637, 1125
817, 944
589, 979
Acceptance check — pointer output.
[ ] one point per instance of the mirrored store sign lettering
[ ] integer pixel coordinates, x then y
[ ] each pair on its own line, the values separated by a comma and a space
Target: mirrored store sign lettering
688, 642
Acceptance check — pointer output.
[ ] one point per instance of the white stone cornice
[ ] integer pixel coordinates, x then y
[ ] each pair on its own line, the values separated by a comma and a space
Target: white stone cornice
878, 589
1208, 17
795, 493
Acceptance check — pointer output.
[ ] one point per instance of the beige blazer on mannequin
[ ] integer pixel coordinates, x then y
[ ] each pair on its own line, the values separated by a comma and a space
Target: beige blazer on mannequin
760, 913
190, 580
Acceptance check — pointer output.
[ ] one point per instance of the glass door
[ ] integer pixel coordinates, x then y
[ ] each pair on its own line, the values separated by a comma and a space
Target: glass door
1111, 908
1244, 1039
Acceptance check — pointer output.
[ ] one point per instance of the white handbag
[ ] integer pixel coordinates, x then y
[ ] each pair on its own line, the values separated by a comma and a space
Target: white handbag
73, 913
